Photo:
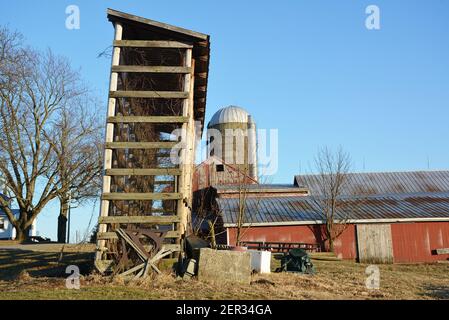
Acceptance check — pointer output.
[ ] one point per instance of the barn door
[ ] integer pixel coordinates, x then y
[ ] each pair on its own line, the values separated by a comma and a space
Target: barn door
374, 243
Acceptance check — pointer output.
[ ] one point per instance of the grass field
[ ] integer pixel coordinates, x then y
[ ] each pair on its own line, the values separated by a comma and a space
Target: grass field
39, 273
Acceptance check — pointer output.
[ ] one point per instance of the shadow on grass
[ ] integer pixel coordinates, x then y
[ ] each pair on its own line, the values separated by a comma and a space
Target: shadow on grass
42, 264
436, 291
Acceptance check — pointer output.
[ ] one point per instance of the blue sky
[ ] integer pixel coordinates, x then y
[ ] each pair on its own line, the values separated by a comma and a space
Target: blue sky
307, 68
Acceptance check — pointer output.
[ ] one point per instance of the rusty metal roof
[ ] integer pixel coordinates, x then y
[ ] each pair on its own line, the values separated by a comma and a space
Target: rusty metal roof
384, 183
305, 210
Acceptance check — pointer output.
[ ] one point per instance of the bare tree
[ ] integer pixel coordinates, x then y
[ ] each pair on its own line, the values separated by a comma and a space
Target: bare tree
208, 212
245, 217
332, 177
242, 213
34, 89
76, 140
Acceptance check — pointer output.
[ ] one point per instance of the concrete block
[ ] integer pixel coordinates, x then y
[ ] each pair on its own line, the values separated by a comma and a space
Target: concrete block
224, 266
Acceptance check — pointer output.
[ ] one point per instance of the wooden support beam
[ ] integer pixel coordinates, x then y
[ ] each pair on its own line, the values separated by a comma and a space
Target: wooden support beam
162, 211
104, 265
143, 172
148, 119
132, 270
142, 145
151, 69
152, 44
149, 94
156, 24
113, 235
104, 209
141, 196
172, 247
139, 219
164, 182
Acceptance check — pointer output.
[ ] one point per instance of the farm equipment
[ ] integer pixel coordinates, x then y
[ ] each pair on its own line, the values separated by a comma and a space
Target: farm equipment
138, 251
296, 260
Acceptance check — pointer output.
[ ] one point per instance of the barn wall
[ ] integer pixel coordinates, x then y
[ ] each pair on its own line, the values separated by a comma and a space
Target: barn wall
374, 243
416, 242
412, 242
345, 245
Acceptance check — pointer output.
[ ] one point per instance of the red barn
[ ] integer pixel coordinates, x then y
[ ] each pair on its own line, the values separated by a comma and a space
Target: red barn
404, 219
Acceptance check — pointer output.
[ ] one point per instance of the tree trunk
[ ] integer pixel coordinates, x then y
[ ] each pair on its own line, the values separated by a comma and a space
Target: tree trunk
22, 233
331, 244
212, 234
237, 237
62, 221
329, 236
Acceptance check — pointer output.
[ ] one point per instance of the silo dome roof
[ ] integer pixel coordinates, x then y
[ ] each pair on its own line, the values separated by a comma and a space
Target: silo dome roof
231, 114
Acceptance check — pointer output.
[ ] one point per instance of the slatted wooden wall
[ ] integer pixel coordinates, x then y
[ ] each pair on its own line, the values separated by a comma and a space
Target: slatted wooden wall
181, 192
374, 243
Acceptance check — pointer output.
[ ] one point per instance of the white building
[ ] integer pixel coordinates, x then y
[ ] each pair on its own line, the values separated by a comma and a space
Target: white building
7, 230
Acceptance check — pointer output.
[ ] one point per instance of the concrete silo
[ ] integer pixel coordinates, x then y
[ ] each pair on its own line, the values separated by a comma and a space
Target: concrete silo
231, 137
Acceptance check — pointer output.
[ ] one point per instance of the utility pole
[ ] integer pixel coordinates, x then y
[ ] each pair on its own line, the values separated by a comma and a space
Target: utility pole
69, 215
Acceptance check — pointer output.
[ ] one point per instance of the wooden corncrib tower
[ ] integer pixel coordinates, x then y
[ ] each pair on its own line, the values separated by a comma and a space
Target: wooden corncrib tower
158, 84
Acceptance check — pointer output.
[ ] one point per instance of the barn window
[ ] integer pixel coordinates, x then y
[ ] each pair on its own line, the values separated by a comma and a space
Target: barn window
220, 168
2, 224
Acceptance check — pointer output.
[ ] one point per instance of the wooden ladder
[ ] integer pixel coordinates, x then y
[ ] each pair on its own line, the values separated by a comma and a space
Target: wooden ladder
182, 174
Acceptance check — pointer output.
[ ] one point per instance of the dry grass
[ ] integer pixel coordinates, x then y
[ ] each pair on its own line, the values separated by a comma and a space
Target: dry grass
37, 275
47, 247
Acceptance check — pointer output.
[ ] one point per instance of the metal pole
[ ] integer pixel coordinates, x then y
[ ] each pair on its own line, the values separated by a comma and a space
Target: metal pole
68, 222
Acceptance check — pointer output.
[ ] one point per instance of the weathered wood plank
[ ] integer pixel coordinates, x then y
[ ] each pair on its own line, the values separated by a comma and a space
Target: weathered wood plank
151, 69
114, 13
132, 270
141, 145
162, 211
113, 85
149, 94
143, 172
442, 251
104, 265
374, 243
152, 44
113, 235
142, 119
164, 182
139, 219
141, 196
172, 247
